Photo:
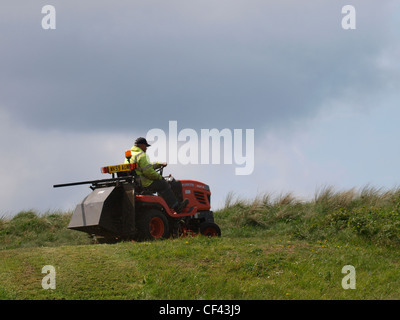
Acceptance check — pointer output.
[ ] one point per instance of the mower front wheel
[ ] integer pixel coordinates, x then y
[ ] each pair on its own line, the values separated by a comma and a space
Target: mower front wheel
152, 224
210, 229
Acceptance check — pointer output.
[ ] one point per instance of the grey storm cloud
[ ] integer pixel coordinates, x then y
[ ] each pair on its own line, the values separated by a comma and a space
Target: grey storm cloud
115, 65
72, 99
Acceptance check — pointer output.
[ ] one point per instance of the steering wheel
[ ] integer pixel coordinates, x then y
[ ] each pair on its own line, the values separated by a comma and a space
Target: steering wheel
160, 171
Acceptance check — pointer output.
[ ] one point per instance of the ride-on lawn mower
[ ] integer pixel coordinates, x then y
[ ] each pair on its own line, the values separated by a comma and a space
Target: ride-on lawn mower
118, 209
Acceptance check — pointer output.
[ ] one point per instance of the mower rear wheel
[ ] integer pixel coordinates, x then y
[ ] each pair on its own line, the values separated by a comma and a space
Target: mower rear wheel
210, 229
152, 224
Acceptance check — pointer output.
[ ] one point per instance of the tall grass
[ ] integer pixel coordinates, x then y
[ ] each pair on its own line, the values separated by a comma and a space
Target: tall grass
368, 214
31, 229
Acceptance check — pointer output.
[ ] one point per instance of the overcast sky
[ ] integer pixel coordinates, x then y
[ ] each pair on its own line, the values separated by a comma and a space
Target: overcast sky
323, 101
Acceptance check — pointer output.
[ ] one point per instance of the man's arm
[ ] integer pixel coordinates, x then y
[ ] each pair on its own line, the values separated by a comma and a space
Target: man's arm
158, 165
148, 169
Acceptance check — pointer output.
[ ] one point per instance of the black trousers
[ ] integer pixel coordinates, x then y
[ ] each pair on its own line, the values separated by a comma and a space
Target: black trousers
164, 190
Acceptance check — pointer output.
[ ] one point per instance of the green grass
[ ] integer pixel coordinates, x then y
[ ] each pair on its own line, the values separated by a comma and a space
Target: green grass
270, 249
30, 229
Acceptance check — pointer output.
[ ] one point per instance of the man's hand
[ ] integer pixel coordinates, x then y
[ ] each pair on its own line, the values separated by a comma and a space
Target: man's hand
164, 164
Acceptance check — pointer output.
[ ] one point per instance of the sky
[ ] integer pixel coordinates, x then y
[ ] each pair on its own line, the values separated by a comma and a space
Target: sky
322, 100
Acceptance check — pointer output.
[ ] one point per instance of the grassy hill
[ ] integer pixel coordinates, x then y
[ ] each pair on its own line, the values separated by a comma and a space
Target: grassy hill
271, 248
